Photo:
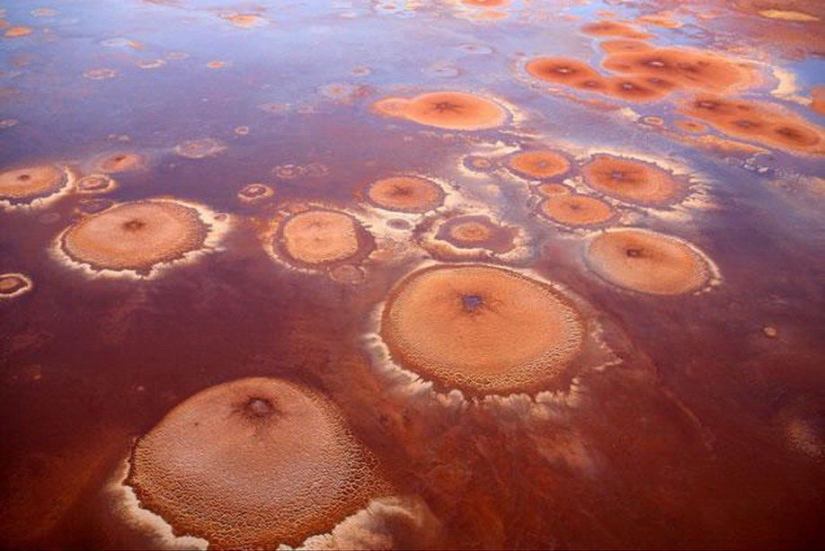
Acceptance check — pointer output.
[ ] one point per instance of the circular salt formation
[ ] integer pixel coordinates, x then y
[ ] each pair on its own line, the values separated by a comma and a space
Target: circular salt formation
135, 236
477, 232
320, 237
251, 464
199, 148
647, 262
25, 184
562, 70
538, 164
455, 111
406, 194
121, 162
481, 329
254, 193
632, 181
576, 210
95, 183
12, 285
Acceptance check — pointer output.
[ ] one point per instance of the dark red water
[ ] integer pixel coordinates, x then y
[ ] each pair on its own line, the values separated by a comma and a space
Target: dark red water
706, 429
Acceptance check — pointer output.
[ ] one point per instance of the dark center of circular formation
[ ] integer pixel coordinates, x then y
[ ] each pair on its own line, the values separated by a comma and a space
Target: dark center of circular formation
472, 302
788, 132
704, 104
24, 177
633, 252
574, 206
745, 123
402, 191
628, 86
656, 63
119, 157
444, 106
259, 407
254, 191
565, 70
617, 175
134, 225
591, 83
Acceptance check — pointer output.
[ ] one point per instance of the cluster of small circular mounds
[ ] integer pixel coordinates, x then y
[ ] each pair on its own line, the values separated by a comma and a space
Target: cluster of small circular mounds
24, 185
576, 210
250, 464
477, 232
757, 122
255, 193
647, 73
633, 181
135, 237
448, 110
321, 238
121, 162
481, 329
647, 262
411, 194
539, 164
12, 285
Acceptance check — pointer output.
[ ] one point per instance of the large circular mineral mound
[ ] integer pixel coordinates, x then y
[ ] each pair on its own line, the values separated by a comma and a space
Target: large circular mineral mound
250, 464
481, 329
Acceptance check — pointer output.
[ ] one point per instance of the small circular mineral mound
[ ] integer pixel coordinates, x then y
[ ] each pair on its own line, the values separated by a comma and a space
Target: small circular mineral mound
406, 194
318, 237
448, 110
251, 464
551, 189
121, 162
648, 262
538, 164
612, 28
481, 329
95, 183
26, 184
479, 163
632, 181
255, 193
199, 148
477, 232
561, 70
12, 285
576, 210
135, 236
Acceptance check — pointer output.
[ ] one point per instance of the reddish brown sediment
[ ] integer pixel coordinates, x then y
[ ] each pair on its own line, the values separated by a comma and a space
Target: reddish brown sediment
660, 20
318, 238
538, 164
612, 28
255, 193
406, 194
95, 183
26, 184
252, 463
637, 88
798, 11
135, 236
477, 232
818, 100
577, 210
14, 284
455, 111
647, 262
759, 122
691, 126
685, 68
244, 21
632, 180
562, 70
624, 46
121, 162
481, 329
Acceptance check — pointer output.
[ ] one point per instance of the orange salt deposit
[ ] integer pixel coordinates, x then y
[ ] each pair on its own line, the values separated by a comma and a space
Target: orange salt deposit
818, 100
647, 262
13, 284
551, 189
320, 237
255, 193
199, 148
624, 46
632, 180
684, 67
121, 162
481, 329
15, 32
406, 194
562, 70
448, 110
539, 164
576, 210
251, 464
612, 28
95, 183
477, 232
760, 122
26, 184
135, 236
